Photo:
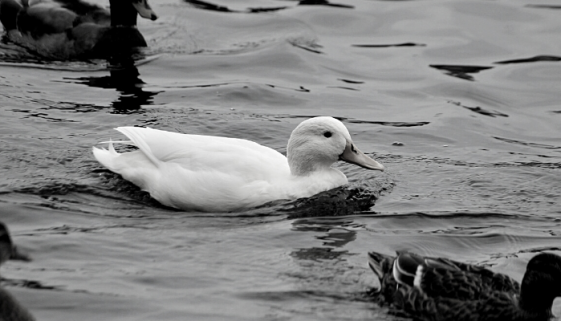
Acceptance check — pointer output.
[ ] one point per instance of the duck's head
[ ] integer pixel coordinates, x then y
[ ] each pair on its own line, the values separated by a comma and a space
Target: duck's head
8, 251
321, 141
541, 283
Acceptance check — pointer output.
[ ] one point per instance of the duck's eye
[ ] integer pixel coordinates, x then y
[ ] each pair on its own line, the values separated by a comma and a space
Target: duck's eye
327, 134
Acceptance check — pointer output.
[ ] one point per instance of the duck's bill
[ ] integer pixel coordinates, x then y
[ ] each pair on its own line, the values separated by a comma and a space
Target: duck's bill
18, 255
353, 155
144, 9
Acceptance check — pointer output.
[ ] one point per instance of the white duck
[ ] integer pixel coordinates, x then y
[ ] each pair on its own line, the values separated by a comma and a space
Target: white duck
221, 174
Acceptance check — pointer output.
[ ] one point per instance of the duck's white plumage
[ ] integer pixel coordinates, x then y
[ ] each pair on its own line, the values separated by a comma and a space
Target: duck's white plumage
220, 174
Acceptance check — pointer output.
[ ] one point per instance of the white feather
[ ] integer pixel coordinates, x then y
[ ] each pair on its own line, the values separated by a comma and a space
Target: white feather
418, 277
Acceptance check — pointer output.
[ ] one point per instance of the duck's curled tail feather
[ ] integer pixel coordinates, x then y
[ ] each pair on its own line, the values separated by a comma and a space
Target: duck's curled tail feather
138, 137
106, 156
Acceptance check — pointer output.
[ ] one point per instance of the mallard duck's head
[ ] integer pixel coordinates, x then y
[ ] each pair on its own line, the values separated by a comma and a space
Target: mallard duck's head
541, 283
320, 142
547, 266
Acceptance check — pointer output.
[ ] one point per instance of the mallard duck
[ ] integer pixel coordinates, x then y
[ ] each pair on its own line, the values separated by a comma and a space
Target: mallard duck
442, 289
68, 29
10, 309
222, 174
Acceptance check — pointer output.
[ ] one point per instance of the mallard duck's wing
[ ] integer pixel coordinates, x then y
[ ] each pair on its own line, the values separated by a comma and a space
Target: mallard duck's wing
448, 278
493, 281
406, 266
453, 284
39, 18
435, 277
49, 29
421, 306
66, 29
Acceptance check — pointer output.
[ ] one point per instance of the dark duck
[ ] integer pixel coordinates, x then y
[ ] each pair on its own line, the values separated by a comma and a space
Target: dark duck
74, 29
10, 309
441, 289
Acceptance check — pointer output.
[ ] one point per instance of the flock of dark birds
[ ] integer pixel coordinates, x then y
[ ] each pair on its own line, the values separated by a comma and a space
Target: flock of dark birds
423, 288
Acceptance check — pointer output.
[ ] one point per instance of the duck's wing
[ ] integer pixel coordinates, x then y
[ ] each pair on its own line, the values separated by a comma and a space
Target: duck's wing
405, 268
195, 172
87, 12
447, 278
421, 306
492, 281
44, 17
201, 153
409, 280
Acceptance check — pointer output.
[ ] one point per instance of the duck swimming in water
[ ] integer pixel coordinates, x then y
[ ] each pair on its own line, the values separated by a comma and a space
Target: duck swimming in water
442, 289
10, 309
74, 29
221, 174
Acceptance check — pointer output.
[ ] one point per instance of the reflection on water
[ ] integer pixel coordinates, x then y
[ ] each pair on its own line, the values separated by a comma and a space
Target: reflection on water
206, 5
461, 71
405, 44
125, 78
527, 60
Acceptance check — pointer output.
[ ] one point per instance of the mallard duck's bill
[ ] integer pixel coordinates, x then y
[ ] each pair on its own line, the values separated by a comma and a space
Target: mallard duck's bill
353, 155
144, 9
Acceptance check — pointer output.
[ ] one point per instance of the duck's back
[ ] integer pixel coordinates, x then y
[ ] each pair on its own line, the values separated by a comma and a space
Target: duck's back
465, 282
496, 307
204, 153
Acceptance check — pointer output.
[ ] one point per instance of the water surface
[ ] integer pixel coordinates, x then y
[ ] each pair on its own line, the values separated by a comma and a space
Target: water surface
458, 99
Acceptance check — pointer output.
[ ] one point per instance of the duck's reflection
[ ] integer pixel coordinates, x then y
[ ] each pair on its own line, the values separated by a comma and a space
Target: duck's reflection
334, 232
125, 78
327, 213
